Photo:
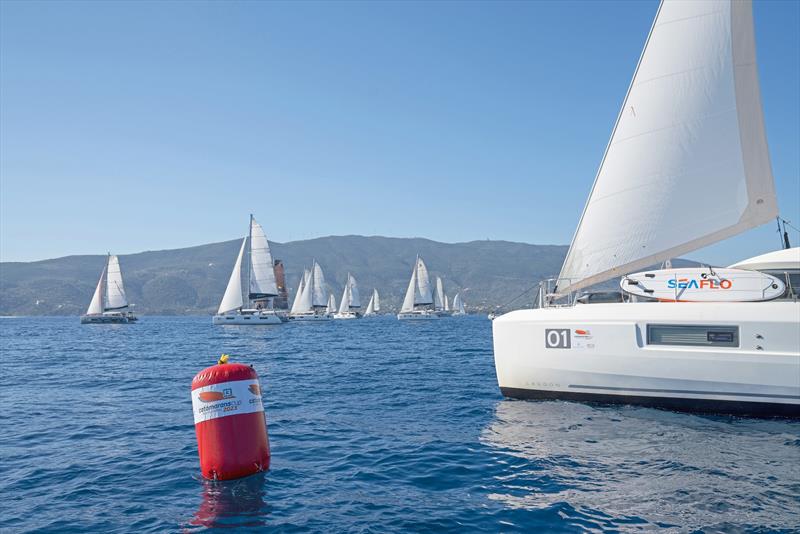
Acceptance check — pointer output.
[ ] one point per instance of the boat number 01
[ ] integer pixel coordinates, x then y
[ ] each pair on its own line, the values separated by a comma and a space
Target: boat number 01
557, 338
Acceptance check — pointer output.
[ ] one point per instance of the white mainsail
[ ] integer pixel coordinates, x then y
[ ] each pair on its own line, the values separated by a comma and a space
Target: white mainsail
232, 299
115, 291
370, 306
355, 297
458, 304
320, 290
96, 305
438, 296
344, 305
446, 303
377, 300
687, 164
331, 304
408, 301
423, 294
301, 301
262, 271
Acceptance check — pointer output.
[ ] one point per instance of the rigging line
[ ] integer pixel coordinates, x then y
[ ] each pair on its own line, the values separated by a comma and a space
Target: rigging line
518, 296
787, 223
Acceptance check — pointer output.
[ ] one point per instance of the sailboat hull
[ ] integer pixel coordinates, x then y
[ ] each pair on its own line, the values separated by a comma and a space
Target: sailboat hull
309, 317
346, 316
106, 319
254, 319
417, 316
737, 358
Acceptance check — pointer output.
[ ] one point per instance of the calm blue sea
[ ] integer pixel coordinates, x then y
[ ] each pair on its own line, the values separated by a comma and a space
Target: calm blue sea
375, 426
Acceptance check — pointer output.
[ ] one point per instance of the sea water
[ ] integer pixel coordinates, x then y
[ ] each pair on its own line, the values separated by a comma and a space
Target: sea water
375, 425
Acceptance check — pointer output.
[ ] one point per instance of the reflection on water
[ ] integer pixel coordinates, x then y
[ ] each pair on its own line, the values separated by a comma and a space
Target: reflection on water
234, 503
637, 465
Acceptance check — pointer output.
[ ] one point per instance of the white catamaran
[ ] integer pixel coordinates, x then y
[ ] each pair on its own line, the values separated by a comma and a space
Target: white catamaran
311, 300
418, 302
374, 305
351, 302
109, 302
259, 279
687, 166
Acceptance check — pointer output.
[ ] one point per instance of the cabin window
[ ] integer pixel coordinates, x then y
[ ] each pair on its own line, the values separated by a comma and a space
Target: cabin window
693, 335
229, 318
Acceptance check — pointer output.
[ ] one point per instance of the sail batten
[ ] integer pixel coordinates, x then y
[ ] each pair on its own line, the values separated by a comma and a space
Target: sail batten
687, 164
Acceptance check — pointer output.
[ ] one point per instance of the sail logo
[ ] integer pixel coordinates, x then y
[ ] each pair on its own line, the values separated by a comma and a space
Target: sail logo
214, 396
693, 283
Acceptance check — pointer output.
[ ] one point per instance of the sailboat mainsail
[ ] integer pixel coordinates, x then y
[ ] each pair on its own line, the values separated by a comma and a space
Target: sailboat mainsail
687, 164
302, 299
423, 294
331, 304
232, 299
115, 298
446, 303
438, 295
319, 293
374, 304
262, 272
458, 305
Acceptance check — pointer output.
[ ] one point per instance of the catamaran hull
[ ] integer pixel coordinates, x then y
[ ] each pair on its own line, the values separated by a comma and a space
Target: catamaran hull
604, 353
249, 320
345, 316
411, 316
105, 319
309, 318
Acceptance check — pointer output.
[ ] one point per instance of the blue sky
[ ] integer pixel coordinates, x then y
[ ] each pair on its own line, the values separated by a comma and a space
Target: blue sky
150, 125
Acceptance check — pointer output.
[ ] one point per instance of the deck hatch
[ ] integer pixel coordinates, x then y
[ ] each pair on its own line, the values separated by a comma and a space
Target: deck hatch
693, 335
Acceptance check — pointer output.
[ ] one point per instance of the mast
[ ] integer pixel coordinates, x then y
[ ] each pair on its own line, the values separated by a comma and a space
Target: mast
250, 258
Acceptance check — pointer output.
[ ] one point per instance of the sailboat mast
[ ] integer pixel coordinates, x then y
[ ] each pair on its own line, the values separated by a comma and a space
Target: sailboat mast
250, 259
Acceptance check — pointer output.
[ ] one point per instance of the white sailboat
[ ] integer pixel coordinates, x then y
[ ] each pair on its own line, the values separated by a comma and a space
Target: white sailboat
458, 305
331, 309
374, 305
351, 301
311, 301
687, 166
447, 304
253, 306
418, 302
440, 299
109, 303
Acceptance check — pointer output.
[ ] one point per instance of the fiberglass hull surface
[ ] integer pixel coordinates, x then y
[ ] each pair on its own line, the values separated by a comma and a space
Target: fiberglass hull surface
254, 319
609, 359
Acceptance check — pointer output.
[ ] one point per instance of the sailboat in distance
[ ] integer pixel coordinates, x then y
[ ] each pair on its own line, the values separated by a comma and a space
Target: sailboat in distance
254, 268
418, 302
687, 166
351, 301
458, 305
374, 305
311, 301
109, 303
440, 305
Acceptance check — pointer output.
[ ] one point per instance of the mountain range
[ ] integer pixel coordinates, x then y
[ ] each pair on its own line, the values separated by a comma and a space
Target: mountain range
192, 280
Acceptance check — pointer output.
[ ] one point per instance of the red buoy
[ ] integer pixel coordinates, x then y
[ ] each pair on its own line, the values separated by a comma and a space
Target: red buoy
229, 421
